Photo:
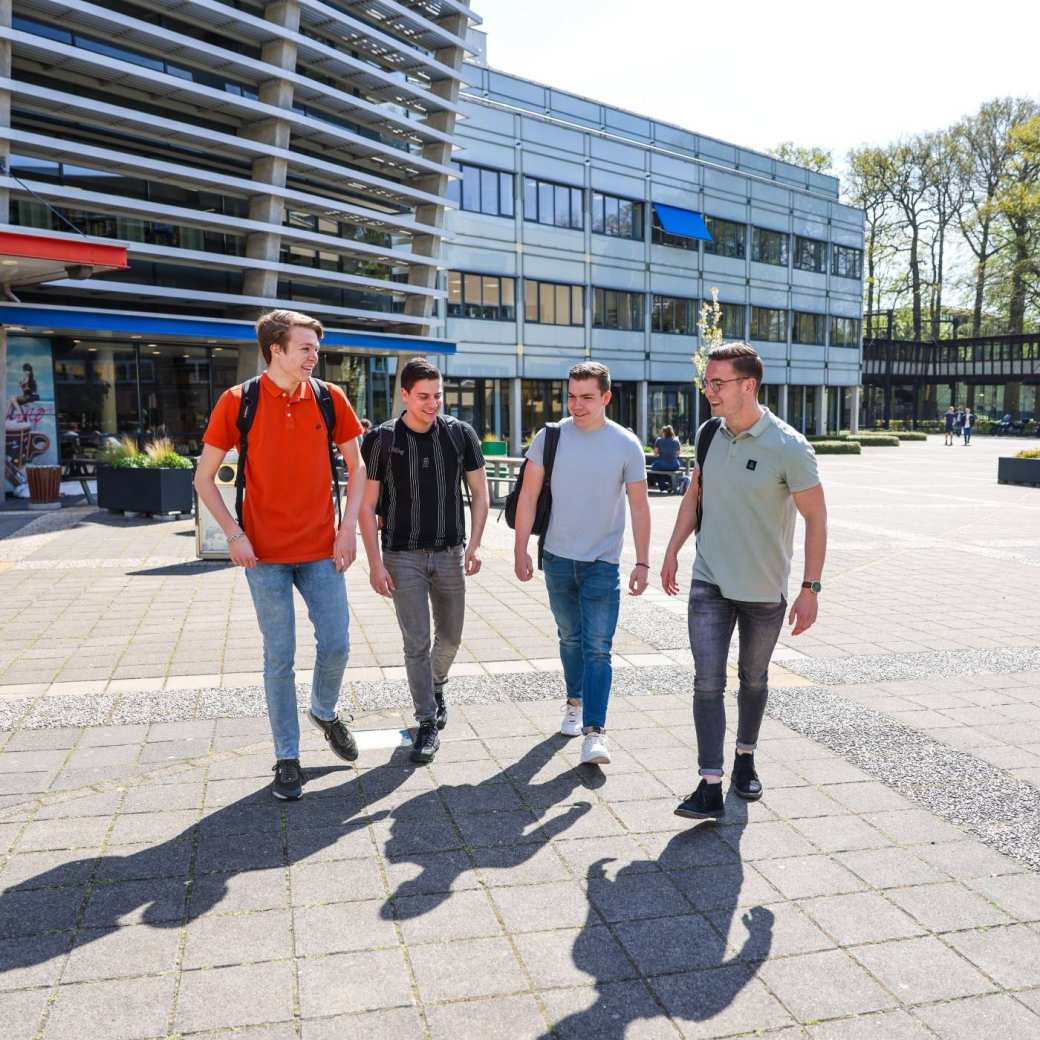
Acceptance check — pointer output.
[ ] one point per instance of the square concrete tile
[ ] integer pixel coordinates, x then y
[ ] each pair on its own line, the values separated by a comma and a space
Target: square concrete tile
531, 908
391, 1024
892, 1025
137, 902
1017, 894
802, 877
343, 927
635, 896
913, 827
337, 881
860, 917
573, 957
615, 1009
113, 1010
235, 996
768, 840
840, 833
433, 872
890, 868
485, 1018
353, 982
217, 940
39, 910
471, 968
980, 1016
1009, 955
920, 971
21, 1013
823, 985
968, 859
239, 893
443, 917
947, 907
113, 953
672, 944
32, 963
724, 887
778, 930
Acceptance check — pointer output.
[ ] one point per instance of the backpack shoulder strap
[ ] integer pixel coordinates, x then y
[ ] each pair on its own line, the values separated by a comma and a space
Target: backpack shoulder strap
552, 442
327, 407
247, 406
458, 438
705, 435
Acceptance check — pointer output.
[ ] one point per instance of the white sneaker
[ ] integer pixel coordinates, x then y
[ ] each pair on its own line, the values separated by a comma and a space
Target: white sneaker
594, 750
571, 724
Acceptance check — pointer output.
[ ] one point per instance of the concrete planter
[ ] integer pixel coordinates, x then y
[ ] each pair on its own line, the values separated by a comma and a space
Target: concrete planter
1018, 471
145, 490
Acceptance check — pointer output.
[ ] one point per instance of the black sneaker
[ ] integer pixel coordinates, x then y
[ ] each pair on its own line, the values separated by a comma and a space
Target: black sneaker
341, 742
704, 804
288, 779
426, 742
442, 710
745, 779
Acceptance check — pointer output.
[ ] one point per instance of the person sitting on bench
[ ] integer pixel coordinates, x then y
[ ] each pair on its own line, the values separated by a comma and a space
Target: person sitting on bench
666, 457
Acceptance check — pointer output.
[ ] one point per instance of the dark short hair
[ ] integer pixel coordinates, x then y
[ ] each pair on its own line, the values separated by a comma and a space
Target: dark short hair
744, 358
591, 370
274, 327
417, 370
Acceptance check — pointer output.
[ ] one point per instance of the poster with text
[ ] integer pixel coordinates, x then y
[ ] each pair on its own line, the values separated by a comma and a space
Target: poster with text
30, 426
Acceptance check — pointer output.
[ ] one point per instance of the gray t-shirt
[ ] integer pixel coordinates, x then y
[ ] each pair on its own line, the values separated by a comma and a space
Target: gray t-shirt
747, 533
588, 489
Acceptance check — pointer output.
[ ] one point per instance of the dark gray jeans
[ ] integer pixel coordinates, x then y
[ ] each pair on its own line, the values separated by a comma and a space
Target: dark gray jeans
423, 579
712, 619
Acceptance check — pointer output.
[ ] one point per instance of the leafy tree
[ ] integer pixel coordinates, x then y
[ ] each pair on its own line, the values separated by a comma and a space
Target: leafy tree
819, 160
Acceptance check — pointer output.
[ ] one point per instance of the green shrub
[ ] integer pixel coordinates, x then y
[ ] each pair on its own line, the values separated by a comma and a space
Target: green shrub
123, 454
1028, 453
157, 454
832, 447
876, 440
910, 435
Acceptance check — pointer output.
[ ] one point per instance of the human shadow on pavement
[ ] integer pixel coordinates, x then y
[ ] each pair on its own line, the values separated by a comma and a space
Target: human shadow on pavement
178, 880
507, 819
673, 916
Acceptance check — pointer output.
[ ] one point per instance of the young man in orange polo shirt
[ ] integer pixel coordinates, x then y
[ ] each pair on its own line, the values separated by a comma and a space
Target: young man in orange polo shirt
290, 537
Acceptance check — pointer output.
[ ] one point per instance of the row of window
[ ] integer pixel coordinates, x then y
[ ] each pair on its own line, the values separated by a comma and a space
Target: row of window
481, 190
492, 298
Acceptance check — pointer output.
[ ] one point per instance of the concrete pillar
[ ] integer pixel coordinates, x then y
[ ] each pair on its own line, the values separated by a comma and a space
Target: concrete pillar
643, 411
821, 410
515, 407
854, 393
782, 403
105, 367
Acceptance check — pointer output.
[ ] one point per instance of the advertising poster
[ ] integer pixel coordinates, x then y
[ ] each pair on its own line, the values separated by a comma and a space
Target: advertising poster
30, 427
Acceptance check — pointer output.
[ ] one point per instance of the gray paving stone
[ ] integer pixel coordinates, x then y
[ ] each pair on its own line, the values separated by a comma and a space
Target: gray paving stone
351, 982
868, 796
113, 953
530, 908
724, 887
672, 944
890, 868
148, 827
239, 893
615, 1009
236, 996
76, 833
392, 1024
980, 1016
442, 918
947, 907
892, 1025
435, 872
336, 881
224, 852
922, 970
687, 849
343, 927
167, 798
137, 862
137, 902
777, 930
471, 968
630, 897
968, 859
31, 963
105, 804
573, 957
802, 877
56, 868
474, 1018
113, 1010
720, 1001
840, 833
21, 1012
860, 917
39, 910
823, 985
217, 940
767, 840
1017, 895
1009, 955
913, 826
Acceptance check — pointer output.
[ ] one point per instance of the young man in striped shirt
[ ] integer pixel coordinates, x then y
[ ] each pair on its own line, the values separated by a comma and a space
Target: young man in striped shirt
416, 464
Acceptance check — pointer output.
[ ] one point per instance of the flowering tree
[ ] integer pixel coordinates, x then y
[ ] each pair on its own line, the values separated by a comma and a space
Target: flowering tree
709, 325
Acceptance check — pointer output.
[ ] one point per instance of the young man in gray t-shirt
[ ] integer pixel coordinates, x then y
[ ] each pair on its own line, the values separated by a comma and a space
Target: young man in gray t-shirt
598, 465
757, 474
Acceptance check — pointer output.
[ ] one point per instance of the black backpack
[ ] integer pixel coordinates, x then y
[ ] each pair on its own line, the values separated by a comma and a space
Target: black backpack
705, 435
386, 445
543, 507
247, 414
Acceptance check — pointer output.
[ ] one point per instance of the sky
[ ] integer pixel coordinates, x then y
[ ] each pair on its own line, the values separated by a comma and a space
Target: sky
755, 73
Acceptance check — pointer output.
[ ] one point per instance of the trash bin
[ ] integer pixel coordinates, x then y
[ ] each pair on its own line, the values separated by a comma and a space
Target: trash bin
44, 486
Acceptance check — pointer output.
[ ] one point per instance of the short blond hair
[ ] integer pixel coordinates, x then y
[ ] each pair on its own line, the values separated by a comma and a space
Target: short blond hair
274, 327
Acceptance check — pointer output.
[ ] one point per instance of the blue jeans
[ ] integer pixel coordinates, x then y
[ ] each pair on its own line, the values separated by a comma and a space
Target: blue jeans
967, 435
712, 619
324, 590
585, 600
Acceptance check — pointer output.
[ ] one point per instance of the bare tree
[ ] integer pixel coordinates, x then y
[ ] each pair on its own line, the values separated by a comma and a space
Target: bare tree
942, 167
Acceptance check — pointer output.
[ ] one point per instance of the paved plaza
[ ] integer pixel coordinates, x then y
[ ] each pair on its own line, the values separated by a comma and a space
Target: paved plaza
887, 886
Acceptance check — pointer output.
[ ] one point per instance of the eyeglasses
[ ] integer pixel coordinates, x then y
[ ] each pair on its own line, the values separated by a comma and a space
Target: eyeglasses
717, 384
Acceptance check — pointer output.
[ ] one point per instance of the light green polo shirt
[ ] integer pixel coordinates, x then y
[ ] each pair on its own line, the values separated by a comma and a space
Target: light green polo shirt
747, 532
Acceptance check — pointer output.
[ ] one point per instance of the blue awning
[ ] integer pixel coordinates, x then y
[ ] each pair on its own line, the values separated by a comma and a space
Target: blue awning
686, 223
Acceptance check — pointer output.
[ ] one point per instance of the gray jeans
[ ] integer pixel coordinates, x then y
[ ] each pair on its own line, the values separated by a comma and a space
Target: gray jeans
423, 579
712, 619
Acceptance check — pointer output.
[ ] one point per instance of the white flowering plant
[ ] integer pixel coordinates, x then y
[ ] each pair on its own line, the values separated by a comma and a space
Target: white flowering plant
709, 325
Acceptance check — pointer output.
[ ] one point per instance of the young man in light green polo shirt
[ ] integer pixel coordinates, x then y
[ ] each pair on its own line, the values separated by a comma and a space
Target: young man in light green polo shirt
757, 473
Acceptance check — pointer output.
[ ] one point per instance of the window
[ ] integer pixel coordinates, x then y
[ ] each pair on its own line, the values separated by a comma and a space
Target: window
845, 332
548, 303
846, 262
769, 323
769, 247
613, 309
620, 218
479, 190
556, 204
675, 315
727, 238
733, 320
483, 296
808, 328
660, 237
810, 254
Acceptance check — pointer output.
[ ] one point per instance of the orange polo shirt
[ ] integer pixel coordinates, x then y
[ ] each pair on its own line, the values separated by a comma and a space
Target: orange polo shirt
288, 512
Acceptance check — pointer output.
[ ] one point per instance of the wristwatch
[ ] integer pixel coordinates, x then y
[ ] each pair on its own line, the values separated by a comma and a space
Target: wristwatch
813, 586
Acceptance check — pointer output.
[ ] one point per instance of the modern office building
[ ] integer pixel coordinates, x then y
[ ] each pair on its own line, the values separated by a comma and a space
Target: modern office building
585, 231
248, 156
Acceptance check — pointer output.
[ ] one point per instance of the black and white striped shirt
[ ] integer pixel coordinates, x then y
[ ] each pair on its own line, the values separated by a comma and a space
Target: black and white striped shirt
421, 496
